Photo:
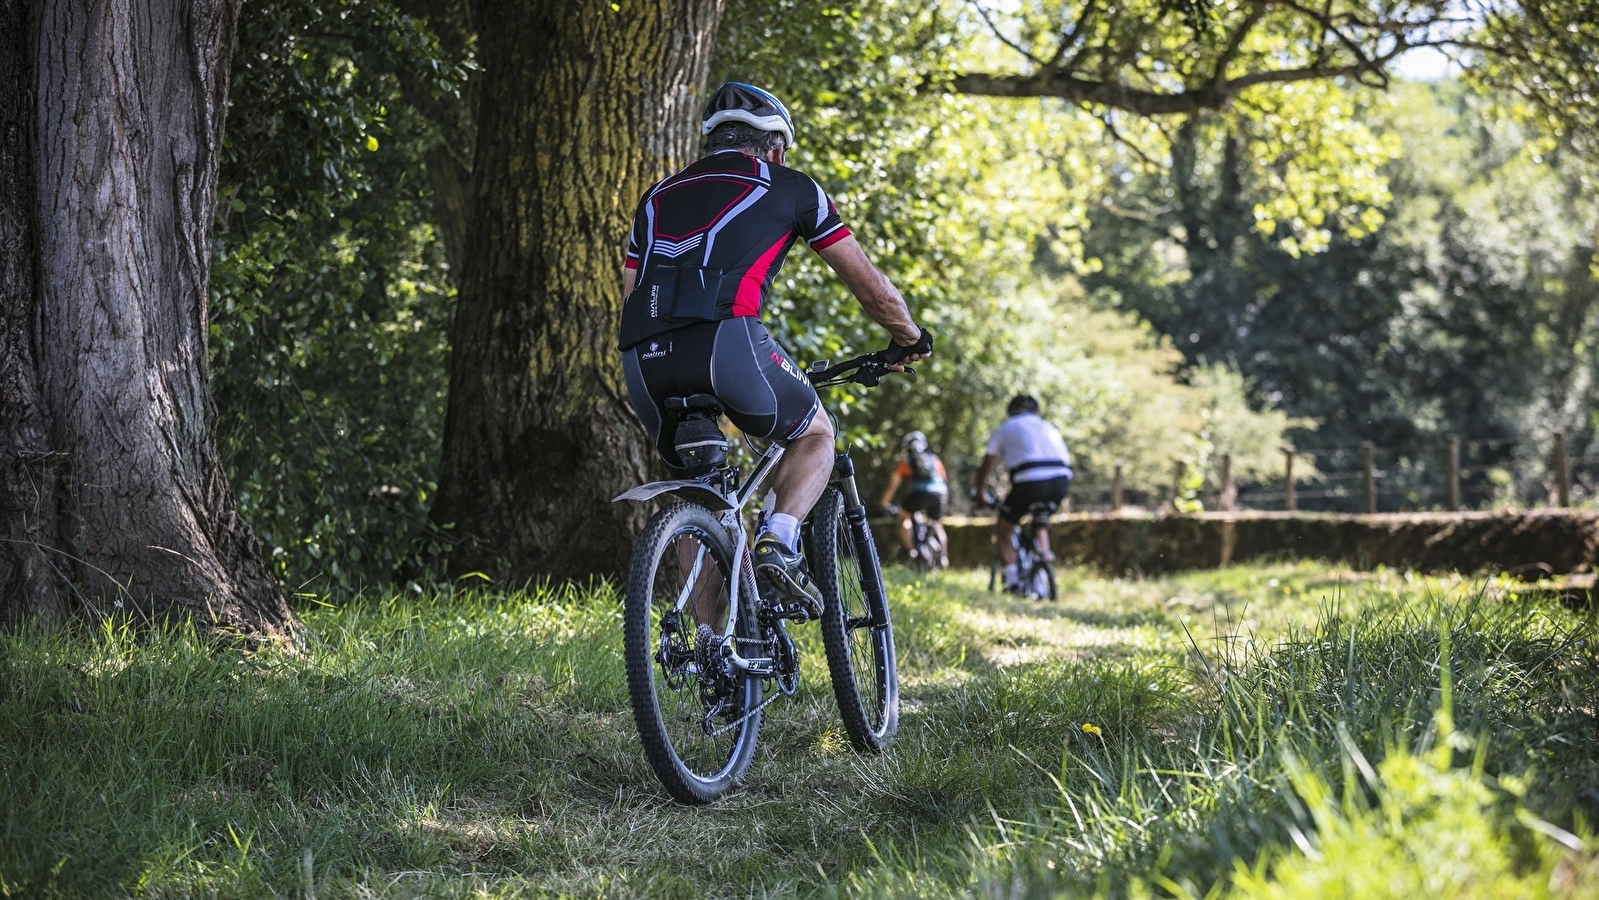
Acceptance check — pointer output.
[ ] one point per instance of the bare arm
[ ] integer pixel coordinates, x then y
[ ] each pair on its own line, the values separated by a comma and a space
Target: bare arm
981, 479
629, 278
876, 293
888, 495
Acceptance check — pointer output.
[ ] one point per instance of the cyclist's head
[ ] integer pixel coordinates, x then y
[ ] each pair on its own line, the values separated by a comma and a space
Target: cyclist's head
743, 117
916, 442
1021, 403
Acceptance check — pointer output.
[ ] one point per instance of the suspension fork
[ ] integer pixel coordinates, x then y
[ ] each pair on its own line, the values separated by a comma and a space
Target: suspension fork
861, 537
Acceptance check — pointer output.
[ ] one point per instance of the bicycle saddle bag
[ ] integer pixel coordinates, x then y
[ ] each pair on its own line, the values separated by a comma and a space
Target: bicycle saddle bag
669, 297
700, 444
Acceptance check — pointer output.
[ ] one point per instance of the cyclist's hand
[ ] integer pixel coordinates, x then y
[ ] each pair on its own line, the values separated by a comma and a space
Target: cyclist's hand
896, 355
891, 509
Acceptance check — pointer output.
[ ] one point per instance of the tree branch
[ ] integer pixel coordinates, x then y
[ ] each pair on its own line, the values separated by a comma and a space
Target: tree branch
1001, 35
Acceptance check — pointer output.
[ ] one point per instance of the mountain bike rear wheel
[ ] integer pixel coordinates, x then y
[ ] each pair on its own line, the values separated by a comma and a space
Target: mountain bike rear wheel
1041, 581
927, 553
855, 623
688, 703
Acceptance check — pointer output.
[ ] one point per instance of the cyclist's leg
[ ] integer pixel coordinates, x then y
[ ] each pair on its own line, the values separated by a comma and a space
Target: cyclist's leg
937, 517
1054, 490
767, 395
803, 472
905, 528
1008, 516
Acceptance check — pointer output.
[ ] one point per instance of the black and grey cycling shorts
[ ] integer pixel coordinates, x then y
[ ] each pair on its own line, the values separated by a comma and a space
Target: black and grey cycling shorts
1022, 496
761, 388
931, 503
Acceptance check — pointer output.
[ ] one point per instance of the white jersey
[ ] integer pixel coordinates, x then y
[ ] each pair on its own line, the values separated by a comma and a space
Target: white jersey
1030, 448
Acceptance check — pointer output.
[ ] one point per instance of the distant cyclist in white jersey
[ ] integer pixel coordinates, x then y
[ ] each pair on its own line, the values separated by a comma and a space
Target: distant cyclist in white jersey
1040, 472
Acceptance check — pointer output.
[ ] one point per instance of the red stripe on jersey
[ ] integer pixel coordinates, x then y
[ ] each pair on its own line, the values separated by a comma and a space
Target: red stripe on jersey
824, 242
632, 262
747, 302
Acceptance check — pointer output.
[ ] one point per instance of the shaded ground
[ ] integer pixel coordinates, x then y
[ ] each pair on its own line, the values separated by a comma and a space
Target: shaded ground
481, 744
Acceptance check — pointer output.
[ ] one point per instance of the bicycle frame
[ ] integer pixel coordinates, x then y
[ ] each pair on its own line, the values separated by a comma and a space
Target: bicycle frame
729, 507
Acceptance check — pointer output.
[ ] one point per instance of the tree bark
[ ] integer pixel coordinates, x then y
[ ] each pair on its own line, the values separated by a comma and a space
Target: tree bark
126, 106
581, 106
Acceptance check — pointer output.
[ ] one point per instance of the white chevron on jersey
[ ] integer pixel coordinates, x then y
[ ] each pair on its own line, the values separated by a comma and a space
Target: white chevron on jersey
664, 247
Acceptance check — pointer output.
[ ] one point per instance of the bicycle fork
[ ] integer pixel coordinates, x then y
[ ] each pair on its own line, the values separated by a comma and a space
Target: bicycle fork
860, 534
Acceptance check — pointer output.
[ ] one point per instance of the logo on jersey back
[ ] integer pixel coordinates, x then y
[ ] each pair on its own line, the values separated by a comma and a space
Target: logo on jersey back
655, 301
655, 351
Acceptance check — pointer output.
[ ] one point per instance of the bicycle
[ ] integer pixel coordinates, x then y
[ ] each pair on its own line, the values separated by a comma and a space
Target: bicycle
927, 552
699, 691
1035, 574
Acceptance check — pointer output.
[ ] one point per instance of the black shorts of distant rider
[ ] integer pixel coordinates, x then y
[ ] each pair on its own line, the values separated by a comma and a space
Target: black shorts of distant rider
1024, 495
932, 504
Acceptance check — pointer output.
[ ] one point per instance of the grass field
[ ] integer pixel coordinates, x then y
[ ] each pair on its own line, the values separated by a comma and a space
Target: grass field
1273, 731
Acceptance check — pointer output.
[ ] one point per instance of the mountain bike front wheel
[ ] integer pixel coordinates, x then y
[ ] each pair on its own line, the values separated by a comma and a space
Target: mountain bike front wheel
856, 630
698, 717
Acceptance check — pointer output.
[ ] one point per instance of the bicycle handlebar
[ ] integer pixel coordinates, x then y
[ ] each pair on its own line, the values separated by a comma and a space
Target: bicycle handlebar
867, 369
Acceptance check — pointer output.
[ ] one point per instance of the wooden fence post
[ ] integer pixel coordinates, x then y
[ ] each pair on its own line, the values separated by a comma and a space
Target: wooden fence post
1368, 476
1452, 473
1562, 473
1179, 473
1228, 501
1116, 491
1289, 502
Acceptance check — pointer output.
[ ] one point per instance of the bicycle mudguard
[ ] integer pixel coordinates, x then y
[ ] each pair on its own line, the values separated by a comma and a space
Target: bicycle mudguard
695, 491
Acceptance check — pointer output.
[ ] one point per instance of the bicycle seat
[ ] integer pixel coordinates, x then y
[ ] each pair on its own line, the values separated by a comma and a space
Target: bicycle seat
681, 407
1043, 510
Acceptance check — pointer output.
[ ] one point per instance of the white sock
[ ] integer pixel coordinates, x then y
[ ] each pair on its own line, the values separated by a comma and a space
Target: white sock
785, 527
1010, 574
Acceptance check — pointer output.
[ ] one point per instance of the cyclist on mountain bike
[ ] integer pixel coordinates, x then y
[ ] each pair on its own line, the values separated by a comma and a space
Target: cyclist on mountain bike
705, 246
929, 492
1040, 472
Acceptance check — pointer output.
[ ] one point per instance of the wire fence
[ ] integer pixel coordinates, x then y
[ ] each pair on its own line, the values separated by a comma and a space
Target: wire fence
1448, 474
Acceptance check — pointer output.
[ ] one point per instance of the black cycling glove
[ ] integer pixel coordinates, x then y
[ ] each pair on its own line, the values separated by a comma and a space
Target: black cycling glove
896, 353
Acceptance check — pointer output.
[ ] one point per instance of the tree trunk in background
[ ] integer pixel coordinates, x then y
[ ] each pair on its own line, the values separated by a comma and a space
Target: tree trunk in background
28, 473
581, 106
125, 105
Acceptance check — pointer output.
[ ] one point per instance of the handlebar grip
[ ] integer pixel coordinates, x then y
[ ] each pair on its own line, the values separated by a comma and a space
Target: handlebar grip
895, 352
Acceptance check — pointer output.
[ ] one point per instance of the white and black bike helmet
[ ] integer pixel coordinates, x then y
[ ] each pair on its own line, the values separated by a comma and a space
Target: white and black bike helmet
916, 442
736, 101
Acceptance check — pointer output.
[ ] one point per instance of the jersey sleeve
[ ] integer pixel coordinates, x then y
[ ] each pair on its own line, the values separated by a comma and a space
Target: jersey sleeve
995, 444
818, 220
638, 236
903, 470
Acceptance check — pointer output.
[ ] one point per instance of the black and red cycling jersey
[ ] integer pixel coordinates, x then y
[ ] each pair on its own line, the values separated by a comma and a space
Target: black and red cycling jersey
708, 241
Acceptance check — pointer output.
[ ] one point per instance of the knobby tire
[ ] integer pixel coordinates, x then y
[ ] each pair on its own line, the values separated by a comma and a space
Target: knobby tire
695, 768
856, 630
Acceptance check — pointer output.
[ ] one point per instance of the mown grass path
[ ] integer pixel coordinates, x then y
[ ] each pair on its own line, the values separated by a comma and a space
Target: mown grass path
1237, 729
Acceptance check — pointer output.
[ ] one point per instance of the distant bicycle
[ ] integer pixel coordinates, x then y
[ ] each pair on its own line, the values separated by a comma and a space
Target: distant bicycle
1035, 573
927, 552
703, 647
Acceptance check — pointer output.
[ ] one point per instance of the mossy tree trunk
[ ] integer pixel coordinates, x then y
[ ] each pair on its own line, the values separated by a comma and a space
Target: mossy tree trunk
111, 490
582, 105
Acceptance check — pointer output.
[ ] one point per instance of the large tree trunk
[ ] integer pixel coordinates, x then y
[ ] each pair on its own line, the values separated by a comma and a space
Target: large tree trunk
133, 509
581, 106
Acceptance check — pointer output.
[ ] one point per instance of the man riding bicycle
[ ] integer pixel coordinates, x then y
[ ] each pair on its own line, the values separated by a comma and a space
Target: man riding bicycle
1040, 472
928, 493
704, 249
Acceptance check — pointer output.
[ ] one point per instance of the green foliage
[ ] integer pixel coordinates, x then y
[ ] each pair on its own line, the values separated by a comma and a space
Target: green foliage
330, 298
1471, 312
461, 743
954, 197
